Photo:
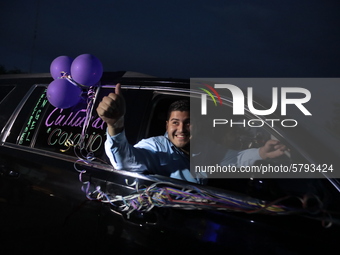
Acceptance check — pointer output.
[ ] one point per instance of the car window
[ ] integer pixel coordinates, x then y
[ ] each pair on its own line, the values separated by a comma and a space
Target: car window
60, 130
23, 121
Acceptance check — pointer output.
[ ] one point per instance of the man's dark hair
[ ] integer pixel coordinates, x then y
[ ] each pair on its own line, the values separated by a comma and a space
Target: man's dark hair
180, 105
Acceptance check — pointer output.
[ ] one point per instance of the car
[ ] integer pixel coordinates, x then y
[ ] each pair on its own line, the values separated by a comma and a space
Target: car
59, 192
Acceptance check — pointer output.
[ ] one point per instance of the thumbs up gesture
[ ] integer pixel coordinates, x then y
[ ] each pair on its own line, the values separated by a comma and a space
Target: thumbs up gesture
112, 110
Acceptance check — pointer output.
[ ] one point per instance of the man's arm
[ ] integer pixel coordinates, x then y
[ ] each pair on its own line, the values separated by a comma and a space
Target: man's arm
143, 156
271, 149
122, 155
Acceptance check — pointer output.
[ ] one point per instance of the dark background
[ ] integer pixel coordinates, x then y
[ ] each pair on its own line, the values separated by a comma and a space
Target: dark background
177, 38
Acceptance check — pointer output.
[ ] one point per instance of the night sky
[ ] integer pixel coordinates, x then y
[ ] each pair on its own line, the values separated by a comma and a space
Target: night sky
178, 38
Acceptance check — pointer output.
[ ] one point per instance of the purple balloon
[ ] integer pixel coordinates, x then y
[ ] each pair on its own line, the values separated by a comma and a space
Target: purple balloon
60, 64
86, 69
63, 94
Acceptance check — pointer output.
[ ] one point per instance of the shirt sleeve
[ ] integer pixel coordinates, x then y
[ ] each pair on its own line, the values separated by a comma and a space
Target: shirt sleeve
124, 156
241, 158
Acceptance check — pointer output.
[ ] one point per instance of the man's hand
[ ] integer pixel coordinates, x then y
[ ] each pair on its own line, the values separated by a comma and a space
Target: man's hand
112, 110
272, 149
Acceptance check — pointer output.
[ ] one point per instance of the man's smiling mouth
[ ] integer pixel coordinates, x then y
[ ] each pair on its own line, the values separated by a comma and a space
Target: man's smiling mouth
181, 136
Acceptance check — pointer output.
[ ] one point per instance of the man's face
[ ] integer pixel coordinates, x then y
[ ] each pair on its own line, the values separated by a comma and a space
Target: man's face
179, 129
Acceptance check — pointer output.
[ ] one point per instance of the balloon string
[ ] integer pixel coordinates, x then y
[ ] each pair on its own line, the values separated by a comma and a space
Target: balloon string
90, 103
65, 75
91, 94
